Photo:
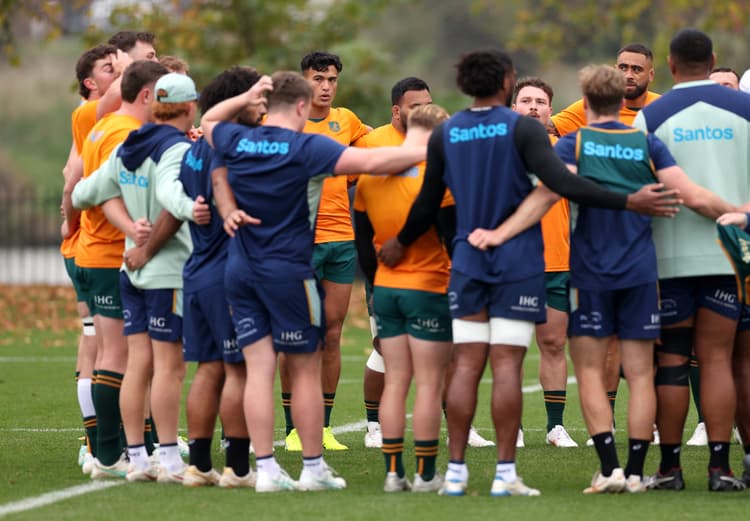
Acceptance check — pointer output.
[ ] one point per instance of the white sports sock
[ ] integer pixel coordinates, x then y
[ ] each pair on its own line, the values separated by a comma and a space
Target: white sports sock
506, 471
267, 465
169, 458
85, 400
314, 465
138, 456
457, 471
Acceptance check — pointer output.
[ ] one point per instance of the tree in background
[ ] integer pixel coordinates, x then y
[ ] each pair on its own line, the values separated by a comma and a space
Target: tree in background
215, 34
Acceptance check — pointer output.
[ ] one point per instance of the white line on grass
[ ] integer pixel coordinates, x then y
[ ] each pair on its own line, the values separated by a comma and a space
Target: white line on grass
54, 497
61, 495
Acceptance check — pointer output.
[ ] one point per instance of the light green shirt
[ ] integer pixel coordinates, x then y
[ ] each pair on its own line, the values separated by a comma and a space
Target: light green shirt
711, 142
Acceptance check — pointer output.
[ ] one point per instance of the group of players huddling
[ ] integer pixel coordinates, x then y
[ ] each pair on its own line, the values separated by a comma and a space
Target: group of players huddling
232, 245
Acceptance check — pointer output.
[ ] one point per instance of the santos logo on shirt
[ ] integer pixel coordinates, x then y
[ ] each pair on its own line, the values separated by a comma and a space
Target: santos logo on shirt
612, 151
263, 147
130, 178
480, 131
706, 133
193, 162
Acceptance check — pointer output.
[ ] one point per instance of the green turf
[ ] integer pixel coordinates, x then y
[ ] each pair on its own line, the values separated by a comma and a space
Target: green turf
40, 425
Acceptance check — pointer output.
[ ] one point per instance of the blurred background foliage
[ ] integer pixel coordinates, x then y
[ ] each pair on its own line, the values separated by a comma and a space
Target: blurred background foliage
379, 41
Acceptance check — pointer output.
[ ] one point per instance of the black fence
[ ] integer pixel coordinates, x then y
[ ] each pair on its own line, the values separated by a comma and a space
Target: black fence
30, 236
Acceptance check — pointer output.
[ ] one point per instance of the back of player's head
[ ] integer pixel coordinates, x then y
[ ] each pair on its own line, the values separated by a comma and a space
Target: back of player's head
691, 51
637, 48
320, 61
482, 73
85, 65
175, 64
533, 81
126, 40
403, 86
427, 116
288, 88
228, 84
139, 74
604, 88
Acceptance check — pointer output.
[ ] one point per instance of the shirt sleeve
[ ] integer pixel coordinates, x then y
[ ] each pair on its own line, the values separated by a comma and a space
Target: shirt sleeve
321, 153
659, 153
224, 135
565, 149
169, 190
100, 186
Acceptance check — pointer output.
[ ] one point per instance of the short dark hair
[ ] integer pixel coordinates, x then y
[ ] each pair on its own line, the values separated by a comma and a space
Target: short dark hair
232, 82
726, 69
126, 40
533, 81
403, 86
691, 50
320, 61
85, 65
481, 73
288, 88
637, 48
139, 74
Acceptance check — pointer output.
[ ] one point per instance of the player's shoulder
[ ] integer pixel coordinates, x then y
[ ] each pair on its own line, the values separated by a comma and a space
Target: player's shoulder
343, 113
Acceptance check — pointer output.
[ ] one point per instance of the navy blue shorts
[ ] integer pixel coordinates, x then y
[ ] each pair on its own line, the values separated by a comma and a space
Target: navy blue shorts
152, 311
521, 300
744, 323
208, 331
630, 313
290, 311
681, 297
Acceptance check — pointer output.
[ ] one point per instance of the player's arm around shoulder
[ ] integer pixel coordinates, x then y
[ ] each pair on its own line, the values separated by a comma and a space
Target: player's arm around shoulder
381, 160
169, 190
100, 186
694, 196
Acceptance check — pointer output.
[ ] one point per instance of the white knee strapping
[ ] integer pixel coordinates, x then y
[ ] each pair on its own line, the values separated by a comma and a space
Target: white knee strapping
85, 400
88, 326
375, 362
468, 332
505, 331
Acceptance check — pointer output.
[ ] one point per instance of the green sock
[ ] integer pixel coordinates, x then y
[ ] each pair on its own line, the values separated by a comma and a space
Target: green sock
328, 399
393, 451
554, 403
372, 408
286, 403
108, 420
426, 453
695, 386
91, 438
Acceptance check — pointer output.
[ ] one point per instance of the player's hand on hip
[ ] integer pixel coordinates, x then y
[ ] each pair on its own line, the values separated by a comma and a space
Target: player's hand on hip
653, 199
391, 252
483, 239
237, 218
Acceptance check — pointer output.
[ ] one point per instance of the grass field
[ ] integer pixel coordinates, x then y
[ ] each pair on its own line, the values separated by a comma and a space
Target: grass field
40, 426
